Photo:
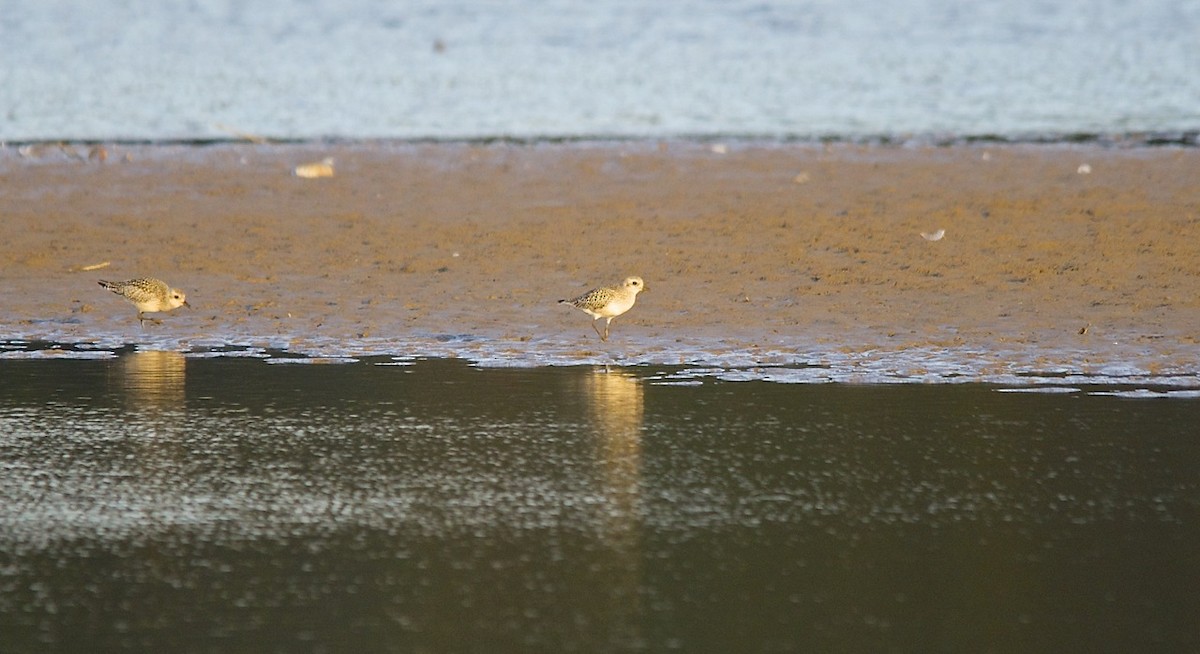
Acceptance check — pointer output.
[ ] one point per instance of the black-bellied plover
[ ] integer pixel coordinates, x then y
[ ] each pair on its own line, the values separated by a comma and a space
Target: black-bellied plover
149, 295
608, 303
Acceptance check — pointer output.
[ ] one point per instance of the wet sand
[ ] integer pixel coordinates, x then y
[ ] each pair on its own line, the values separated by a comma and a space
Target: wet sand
1062, 258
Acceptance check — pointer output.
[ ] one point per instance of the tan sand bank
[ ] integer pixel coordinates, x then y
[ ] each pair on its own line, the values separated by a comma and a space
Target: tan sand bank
1056, 255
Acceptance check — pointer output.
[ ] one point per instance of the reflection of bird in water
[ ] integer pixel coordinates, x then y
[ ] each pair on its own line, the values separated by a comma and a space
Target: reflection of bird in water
153, 379
615, 404
608, 303
149, 295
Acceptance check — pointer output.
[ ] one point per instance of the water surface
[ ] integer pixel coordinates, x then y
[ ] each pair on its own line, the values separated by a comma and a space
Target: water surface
161, 502
565, 68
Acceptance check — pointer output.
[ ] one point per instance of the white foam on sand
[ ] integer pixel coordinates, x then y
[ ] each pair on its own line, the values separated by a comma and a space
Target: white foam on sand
1014, 369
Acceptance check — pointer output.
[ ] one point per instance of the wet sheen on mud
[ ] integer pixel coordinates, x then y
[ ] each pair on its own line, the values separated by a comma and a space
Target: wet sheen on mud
162, 502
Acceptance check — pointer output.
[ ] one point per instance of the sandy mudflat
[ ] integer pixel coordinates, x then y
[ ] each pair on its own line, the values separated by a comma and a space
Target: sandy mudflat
754, 253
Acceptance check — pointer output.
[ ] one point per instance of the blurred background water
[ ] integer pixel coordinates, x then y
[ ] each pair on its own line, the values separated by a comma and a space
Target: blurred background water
161, 502
215, 69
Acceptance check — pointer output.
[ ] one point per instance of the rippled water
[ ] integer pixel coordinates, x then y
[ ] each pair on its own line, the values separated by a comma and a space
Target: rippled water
566, 68
161, 502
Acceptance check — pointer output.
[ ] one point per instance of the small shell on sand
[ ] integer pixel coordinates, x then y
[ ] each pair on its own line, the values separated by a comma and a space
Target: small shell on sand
323, 168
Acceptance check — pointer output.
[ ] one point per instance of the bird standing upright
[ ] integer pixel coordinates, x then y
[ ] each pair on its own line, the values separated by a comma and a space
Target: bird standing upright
608, 303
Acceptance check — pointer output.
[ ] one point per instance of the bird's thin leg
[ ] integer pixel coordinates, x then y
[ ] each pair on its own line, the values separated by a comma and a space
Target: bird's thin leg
596, 322
606, 324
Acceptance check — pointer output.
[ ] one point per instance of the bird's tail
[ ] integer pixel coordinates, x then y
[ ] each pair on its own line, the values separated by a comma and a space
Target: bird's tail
109, 285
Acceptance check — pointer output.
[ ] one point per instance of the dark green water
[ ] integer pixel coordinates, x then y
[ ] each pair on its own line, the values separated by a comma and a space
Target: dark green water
158, 503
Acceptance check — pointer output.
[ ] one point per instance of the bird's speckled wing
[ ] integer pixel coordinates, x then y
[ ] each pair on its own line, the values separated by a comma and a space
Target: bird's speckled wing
594, 299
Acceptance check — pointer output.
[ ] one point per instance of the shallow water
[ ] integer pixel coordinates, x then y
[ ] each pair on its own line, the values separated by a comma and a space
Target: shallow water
155, 501
1130, 368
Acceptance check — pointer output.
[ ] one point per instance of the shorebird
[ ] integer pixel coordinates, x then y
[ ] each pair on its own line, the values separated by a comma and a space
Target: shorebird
149, 295
608, 303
